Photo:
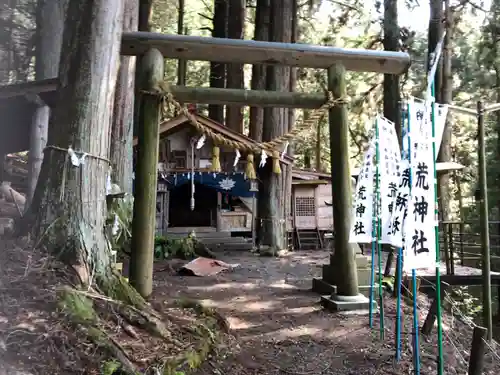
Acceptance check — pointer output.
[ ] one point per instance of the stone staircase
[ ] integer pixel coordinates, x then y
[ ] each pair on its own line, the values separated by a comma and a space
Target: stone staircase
215, 241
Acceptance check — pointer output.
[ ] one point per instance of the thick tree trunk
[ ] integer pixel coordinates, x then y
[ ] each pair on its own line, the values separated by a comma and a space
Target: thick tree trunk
73, 206
123, 115
235, 80
218, 70
273, 187
262, 23
50, 16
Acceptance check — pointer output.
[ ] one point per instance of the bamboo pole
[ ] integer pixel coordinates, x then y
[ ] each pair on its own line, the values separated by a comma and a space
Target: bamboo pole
143, 225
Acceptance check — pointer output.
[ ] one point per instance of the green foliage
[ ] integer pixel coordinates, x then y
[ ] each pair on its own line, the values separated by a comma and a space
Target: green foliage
182, 248
119, 223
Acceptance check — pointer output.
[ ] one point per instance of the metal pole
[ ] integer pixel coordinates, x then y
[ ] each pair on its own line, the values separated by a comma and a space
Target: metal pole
485, 231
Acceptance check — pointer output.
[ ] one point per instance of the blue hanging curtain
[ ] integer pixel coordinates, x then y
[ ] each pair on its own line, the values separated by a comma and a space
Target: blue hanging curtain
232, 183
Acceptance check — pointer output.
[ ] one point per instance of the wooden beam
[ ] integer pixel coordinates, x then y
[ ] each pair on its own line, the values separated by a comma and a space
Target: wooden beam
239, 51
251, 98
29, 88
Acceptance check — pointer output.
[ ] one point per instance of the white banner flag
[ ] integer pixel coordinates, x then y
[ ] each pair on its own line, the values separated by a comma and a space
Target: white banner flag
394, 232
361, 226
421, 121
390, 157
420, 244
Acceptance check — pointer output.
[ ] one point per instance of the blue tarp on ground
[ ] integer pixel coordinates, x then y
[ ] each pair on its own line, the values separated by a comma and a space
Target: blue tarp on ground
232, 183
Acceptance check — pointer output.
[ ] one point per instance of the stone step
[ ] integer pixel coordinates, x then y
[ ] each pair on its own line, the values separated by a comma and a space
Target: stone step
322, 287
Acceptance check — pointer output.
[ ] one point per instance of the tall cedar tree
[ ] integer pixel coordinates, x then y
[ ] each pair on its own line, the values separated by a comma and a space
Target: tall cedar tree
235, 80
273, 188
72, 209
217, 69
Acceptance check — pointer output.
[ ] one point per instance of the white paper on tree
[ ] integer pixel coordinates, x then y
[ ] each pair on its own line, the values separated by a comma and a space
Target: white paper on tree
420, 238
361, 227
390, 157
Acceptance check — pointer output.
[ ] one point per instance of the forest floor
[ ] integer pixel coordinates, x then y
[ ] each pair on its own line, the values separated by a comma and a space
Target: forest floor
276, 323
48, 327
281, 328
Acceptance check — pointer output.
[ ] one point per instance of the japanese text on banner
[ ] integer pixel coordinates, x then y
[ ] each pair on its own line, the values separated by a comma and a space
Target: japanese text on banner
420, 249
361, 227
389, 173
394, 232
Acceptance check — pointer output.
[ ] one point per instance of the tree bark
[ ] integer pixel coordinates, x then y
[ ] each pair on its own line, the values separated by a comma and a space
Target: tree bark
446, 98
181, 64
434, 35
72, 210
235, 79
392, 95
262, 23
122, 132
145, 14
50, 16
273, 187
218, 70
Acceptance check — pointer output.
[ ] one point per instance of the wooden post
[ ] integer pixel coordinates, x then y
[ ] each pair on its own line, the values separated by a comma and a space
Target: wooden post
477, 351
451, 245
146, 176
484, 220
431, 316
344, 261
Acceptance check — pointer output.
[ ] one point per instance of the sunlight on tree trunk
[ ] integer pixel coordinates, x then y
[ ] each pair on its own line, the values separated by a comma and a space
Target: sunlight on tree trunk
71, 216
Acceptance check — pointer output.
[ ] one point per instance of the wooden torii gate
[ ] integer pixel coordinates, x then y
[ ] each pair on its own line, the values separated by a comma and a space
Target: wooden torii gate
335, 60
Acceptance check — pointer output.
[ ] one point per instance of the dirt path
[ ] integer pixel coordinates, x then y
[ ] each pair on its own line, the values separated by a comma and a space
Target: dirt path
279, 324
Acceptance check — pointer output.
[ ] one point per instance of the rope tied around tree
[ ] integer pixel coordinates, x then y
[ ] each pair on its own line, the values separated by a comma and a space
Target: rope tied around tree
270, 147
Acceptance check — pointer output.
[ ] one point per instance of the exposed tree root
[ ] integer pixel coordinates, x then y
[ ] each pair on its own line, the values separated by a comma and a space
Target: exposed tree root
87, 309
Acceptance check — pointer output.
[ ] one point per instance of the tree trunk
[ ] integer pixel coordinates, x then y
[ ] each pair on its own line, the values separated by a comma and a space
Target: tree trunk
392, 93
145, 14
235, 79
218, 70
446, 98
50, 15
72, 210
181, 64
273, 187
122, 132
434, 35
262, 22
